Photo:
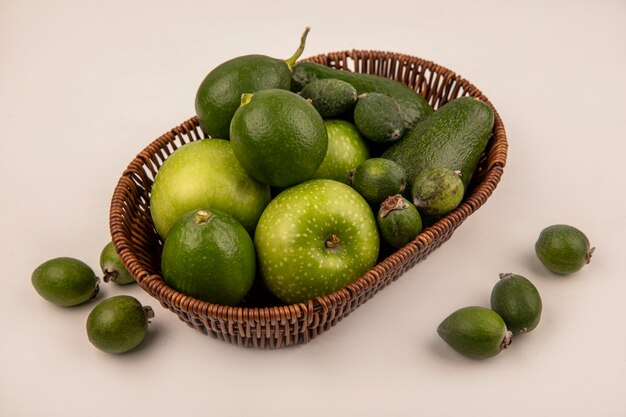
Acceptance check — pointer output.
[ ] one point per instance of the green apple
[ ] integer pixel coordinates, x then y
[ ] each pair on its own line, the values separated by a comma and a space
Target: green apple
206, 174
315, 238
346, 151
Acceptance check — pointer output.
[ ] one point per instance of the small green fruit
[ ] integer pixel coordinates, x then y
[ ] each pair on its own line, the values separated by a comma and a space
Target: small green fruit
118, 324
398, 221
210, 256
113, 268
378, 178
563, 249
517, 301
330, 97
437, 191
378, 117
476, 332
65, 281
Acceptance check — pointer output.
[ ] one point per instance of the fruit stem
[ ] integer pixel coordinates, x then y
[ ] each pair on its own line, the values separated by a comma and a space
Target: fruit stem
391, 203
292, 59
148, 311
588, 257
332, 242
202, 216
96, 290
505, 274
245, 99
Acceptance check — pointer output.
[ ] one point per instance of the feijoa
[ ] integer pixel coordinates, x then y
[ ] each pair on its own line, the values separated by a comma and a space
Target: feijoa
331, 97
65, 281
437, 191
476, 332
118, 324
563, 249
517, 301
377, 178
378, 117
210, 256
112, 266
398, 221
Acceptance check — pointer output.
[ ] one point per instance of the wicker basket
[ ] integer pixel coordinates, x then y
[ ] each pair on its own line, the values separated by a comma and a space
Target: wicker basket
272, 325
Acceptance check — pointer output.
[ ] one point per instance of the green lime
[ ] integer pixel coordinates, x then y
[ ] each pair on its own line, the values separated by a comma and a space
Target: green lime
563, 249
210, 256
517, 301
398, 221
118, 324
437, 191
278, 137
65, 281
378, 178
346, 151
112, 266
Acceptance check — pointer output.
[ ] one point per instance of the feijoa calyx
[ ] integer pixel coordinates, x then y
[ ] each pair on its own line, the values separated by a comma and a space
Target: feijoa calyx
437, 191
112, 266
517, 301
475, 332
118, 324
398, 221
65, 281
563, 249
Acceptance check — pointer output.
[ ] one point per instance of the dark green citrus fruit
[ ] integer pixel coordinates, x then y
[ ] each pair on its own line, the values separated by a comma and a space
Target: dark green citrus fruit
346, 151
210, 256
563, 249
118, 324
331, 97
476, 332
377, 178
112, 266
219, 94
278, 137
378, 117
517, 301
437, 191
65, 281
398, 221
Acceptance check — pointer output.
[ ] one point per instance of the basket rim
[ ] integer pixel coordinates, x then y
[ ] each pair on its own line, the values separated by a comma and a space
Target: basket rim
154, 283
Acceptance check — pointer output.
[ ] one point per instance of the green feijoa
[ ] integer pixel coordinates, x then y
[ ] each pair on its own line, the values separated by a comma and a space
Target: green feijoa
437, 191
377, 178
517, 301
398, 221
331, 97
563, 249
65, 281
118, 324
209, 255
378, 117
112, 266
476, 332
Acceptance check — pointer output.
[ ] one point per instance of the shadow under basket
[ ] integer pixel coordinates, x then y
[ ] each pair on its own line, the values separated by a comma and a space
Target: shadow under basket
261, 321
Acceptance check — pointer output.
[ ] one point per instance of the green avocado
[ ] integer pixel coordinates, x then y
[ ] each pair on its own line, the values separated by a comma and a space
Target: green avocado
454, 137
219, 94
413, 106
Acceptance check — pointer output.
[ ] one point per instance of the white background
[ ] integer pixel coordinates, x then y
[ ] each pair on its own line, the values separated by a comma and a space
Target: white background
85, 85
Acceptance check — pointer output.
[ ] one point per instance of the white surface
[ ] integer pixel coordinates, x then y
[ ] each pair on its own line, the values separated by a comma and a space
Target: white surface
85, 85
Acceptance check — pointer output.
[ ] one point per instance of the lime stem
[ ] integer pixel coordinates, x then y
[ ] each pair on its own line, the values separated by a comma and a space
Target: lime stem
202, 216
292, 59
245, 99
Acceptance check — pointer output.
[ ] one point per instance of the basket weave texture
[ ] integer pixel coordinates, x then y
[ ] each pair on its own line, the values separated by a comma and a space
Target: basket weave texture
139, 245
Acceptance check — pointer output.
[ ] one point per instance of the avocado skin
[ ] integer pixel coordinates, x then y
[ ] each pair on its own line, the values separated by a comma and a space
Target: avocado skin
413, 106
219, 94
454, 137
